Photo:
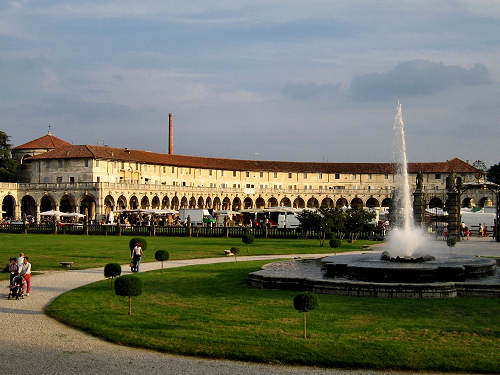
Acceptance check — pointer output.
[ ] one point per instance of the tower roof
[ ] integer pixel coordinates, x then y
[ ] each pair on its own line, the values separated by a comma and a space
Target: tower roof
48, 141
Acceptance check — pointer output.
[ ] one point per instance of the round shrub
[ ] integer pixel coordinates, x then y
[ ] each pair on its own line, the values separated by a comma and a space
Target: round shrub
247, 238
134, 241
128, 285
335, 243
162, 255
112, 270
235, 250
451, 242
305, 302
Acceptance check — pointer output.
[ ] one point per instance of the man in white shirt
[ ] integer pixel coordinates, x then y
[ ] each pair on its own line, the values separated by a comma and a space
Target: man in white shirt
20, 261
25, 272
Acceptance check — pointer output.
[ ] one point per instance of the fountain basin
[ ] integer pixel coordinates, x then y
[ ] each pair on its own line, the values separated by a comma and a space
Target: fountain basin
311, 275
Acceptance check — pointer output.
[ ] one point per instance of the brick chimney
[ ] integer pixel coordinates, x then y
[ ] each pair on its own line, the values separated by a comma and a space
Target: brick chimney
170, 135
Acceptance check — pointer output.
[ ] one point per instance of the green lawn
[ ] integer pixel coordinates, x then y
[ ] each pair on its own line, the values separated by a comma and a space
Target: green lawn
46, 251
209, 311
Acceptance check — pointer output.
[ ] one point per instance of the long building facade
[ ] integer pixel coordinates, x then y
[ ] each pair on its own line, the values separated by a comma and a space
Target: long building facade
95, 180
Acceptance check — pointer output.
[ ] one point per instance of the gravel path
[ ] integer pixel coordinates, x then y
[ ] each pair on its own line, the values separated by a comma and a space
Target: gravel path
31, 342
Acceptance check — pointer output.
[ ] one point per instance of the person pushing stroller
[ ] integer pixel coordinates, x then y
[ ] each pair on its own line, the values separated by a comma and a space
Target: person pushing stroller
16, 289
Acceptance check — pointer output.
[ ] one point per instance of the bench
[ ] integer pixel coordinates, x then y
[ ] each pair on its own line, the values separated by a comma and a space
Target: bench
66, 264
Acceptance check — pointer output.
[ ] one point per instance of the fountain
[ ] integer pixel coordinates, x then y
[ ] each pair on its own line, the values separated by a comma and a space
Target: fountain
411, 266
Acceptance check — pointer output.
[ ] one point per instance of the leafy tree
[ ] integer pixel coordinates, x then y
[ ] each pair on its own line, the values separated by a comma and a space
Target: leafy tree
161, 256
247, 239
358, 220
129, 286
8, 166
305, 302
493, 174
235, 251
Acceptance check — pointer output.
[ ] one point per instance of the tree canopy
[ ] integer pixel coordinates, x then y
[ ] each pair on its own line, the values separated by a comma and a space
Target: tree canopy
8, 166
335, 219
493, 174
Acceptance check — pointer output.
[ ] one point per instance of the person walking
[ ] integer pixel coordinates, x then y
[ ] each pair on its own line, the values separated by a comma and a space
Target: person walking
485, 230
136, 255
25, 272
467, 232
20, 260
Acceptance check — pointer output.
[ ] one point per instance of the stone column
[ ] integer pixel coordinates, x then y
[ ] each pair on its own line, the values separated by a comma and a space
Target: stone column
453, 207
419, 202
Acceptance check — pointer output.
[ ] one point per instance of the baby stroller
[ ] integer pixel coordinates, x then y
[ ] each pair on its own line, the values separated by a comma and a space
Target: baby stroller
16, 290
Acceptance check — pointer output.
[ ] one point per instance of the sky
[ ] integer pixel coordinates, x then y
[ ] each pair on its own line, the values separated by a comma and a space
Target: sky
314, 80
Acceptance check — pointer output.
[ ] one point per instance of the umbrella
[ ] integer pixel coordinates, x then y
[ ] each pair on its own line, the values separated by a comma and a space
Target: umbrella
72, 214
51, 213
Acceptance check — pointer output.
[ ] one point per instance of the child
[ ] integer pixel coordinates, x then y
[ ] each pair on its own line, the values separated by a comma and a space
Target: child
13, 270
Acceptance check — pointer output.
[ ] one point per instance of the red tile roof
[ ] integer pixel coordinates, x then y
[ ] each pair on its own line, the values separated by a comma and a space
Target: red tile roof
124, 154
48, 141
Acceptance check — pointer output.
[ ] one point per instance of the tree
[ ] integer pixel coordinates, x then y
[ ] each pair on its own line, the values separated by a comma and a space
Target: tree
247, 239
111, 270
493, 174
235, 251
129, 286
161, 256
305, 302
8, 166
358, 220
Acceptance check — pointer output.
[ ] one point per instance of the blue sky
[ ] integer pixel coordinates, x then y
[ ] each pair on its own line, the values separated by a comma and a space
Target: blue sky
282, 80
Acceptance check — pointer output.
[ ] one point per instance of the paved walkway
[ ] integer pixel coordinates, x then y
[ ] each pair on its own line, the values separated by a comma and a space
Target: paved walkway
31, 342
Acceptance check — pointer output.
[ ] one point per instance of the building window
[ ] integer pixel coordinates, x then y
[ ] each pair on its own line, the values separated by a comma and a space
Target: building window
122, 165
46, 180
234, 185
71, 180
369, 187
173, 169
184, 183
337, 176
369, 176
320, 176
86, 162
164, 169
289, 175
386, 176
305, 175
98, 179
234, 173
59, 180
320, 187
305, 187
209, 172
222, 173
47, 164
354, 176
275, 174
437, 176
247, 174
261, 174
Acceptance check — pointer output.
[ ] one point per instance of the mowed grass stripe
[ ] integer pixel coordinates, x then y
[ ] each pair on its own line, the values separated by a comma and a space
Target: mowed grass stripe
209, 311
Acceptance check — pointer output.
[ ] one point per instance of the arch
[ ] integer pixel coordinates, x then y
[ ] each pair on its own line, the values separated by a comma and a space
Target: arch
272, 202
299, 203
386, 202
155, 203
226, 204
485, 202
327, 202
201, 202
192, 202
260, 202
47, 203
67, 204
341, 202
121, 202
165, 202
87, 206
28, 206
109, 205
174, 204
468, 202
372, 202
247, 203
285, 202
133, 203
435, 202
208, 202
356, 203
216, 204
236, 204
184, 202
145, 202
312, 203
9, 207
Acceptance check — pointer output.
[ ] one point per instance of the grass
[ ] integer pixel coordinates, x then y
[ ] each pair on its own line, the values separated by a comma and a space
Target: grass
209, 311
46, 251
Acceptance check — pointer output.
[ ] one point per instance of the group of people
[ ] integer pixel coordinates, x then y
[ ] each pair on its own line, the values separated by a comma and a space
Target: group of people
20, 267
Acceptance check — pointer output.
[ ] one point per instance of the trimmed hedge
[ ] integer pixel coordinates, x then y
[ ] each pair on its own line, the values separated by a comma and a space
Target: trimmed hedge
112, 270
128, 285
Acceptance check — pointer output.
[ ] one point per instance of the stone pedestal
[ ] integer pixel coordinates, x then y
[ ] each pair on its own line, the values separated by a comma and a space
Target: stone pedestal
418, 207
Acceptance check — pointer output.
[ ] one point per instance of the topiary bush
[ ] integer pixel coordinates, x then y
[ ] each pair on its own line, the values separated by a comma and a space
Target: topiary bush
451, 242
247, 239
235, 251
112, 270
129, 286
135, 240
335, 243
161, 256
305, 302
